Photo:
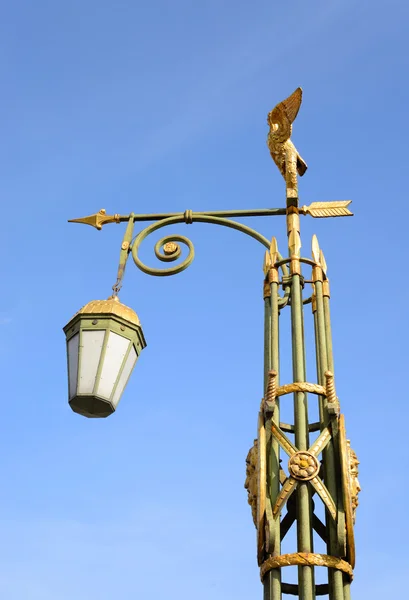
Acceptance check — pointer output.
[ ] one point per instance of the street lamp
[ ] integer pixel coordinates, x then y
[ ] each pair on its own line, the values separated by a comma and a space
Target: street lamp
105, 339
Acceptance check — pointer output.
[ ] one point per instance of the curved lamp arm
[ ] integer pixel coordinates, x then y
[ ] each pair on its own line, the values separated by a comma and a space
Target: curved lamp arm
167, 249
174, 255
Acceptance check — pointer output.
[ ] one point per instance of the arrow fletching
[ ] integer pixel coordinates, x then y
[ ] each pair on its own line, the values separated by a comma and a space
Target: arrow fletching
320, 210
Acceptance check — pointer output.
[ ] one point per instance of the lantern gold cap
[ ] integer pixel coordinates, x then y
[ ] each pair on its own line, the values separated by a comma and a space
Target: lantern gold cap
110, 306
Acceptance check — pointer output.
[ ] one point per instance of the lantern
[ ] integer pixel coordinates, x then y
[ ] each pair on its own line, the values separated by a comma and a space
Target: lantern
104, 340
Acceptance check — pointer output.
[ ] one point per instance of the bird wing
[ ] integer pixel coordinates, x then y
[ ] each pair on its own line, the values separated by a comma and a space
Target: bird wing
292, 104
280, 125
283, 115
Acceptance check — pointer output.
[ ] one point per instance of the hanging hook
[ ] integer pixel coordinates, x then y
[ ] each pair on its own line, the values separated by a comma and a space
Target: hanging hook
123, 257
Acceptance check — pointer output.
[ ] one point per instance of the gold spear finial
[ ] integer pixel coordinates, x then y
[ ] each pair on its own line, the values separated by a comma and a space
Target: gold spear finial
266, 262
98, 219
315, 249
274, 250
294, 243
323, 262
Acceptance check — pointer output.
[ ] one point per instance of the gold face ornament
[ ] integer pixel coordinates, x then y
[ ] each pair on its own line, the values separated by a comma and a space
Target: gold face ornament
350, 488
354, 481
250, 483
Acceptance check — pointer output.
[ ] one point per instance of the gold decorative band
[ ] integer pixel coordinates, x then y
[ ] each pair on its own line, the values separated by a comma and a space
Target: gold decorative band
273, 276
305, 559
266, 289
301, 386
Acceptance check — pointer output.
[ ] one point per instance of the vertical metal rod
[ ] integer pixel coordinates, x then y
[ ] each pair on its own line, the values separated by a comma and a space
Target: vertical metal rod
347, 589
328, 332
275, 365
306, 584
304, 506
330, 356
124, 254
268, 580
272, 581
335, 576
319, 374
267, 340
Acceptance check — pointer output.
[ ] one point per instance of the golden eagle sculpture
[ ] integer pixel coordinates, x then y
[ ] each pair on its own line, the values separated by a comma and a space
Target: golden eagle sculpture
281, 148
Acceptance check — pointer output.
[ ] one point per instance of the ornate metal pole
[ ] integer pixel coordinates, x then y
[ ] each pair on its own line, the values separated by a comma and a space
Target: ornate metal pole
331, 479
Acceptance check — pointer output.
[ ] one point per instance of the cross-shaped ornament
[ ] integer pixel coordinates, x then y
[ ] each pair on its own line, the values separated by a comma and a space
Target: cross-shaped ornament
303, 466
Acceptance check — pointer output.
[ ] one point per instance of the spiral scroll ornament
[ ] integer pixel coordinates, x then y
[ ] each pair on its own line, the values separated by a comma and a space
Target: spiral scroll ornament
168, 248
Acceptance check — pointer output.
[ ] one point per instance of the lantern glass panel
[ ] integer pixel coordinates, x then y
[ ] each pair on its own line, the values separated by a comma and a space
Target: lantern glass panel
91, 346
127, 370
116, 350
73, 346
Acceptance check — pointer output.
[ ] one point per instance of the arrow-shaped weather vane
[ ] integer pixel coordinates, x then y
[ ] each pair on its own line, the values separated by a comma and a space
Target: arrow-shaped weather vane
337, 208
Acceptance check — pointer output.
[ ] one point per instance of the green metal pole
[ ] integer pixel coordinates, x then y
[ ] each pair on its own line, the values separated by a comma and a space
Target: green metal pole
267, 340
124, 254
347, 590
256, 212
318, 365
267, 583
328, 337
335, 576
306, 583
272, 581
328, 332
304, 504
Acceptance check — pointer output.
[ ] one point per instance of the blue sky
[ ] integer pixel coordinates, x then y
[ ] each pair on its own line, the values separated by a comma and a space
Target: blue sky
162, 106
